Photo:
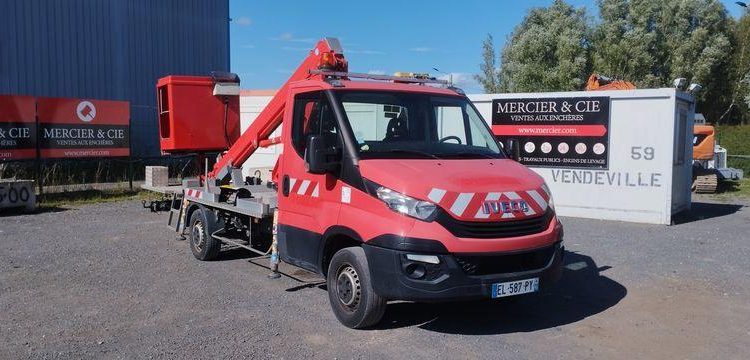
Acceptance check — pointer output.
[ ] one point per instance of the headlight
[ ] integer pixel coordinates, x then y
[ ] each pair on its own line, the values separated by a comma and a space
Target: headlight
406, 205
551, 202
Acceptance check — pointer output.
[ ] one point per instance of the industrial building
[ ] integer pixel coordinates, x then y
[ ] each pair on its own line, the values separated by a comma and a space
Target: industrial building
111, 50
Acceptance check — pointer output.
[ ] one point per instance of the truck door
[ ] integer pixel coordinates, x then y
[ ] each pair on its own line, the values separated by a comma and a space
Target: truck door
308, 203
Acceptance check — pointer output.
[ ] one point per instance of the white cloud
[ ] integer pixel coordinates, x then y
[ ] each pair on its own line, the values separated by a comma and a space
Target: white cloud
290, 37
422, 49
295, 48
465, 81
376, 72
365, 52
243, 21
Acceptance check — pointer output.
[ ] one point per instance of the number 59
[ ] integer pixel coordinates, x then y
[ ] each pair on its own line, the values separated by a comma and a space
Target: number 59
640, 152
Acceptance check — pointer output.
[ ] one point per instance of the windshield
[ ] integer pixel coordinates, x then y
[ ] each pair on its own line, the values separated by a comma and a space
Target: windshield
407, 125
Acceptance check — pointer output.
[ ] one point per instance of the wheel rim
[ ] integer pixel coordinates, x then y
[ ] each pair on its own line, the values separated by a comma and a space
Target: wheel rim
348, 287
197, 236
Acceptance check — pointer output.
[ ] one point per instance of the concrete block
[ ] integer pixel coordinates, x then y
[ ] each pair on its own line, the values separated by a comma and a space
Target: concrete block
17, 194
157, 176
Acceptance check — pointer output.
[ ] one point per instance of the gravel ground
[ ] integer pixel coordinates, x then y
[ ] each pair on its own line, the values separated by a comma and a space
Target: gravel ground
112, 281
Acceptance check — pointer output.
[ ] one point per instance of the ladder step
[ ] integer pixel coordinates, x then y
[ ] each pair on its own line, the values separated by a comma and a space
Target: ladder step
239, 243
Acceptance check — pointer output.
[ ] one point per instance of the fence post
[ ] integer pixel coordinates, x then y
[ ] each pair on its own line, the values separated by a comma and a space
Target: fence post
130, 154
38, 159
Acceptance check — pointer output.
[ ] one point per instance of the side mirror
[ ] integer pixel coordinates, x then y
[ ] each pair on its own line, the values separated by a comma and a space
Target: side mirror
512, 149
318, 155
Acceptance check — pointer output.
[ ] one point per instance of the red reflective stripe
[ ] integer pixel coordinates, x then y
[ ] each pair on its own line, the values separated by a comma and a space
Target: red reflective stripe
475, 204
296, 186
531, 203
544, 194
311, 188
448, 199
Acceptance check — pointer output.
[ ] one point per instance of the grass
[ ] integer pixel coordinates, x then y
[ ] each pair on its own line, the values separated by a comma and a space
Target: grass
736, 139
742, 188
733, 190
74, 198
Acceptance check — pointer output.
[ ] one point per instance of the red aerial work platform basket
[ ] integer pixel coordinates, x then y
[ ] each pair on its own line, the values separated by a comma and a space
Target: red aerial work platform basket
198, 113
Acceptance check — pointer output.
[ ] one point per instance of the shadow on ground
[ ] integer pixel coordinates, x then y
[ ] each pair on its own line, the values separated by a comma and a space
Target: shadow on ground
39, 210
229, 252
582, 292
703, 210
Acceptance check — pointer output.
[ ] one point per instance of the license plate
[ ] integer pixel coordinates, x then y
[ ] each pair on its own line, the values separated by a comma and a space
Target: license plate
515, 288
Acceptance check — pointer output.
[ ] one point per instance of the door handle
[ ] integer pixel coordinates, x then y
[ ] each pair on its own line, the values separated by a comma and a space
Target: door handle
285, 185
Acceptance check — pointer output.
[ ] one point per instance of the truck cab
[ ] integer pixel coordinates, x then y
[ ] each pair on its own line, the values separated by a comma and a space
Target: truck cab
412, 177
391, 188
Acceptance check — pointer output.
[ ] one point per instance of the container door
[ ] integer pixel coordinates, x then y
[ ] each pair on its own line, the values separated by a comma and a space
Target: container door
683, 156
308, 203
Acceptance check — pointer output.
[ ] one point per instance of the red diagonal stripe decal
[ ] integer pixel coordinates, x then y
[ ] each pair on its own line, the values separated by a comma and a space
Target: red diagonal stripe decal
296, 186
448, 199
311, 188
531, 203
475, 204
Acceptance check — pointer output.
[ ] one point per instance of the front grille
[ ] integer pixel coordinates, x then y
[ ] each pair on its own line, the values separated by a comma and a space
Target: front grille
506, 263
494, 229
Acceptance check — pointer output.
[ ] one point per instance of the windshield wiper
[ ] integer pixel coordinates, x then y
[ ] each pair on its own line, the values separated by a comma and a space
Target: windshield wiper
409, 151
471, 154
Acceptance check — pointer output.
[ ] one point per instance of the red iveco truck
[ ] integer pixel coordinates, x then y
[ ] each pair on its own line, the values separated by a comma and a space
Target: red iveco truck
393, 188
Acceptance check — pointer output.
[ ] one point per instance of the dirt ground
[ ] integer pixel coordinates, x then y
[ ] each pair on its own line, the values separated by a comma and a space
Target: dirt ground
112, 281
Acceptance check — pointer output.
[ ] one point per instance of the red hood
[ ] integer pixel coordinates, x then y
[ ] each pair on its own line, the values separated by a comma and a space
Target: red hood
462, 187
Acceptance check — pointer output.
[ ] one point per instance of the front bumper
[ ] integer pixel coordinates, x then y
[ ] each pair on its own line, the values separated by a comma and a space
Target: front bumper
458, 276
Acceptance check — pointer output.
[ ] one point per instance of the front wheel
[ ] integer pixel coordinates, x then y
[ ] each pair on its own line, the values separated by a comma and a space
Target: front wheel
353, 300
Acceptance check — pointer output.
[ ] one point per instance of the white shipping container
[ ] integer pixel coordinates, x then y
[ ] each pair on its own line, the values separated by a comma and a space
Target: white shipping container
650, 157
252, 102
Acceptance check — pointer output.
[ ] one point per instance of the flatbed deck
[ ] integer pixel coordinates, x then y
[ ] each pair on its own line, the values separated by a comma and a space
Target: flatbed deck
166, 190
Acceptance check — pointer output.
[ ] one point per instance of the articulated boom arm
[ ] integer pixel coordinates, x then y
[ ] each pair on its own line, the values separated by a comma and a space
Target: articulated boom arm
327, 54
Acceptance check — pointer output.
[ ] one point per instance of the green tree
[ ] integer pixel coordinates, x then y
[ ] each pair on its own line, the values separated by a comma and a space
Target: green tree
738, 109
490, 76
697, 35
626, 42
653, 42
548, 51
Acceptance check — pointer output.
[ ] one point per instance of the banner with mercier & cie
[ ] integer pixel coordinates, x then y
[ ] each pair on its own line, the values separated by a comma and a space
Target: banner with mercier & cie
63, 128
556, 132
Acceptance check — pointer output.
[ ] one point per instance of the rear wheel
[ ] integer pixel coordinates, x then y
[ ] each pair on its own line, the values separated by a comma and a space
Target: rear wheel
353, 300
202, 244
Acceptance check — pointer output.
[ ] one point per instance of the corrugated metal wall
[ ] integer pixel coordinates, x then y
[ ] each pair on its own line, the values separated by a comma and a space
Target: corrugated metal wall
110, 49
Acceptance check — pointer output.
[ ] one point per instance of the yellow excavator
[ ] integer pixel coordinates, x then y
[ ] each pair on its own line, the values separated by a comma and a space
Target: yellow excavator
709, 159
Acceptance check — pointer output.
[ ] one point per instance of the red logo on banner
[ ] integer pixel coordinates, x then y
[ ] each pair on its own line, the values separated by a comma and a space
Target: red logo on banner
86, 111
75, 128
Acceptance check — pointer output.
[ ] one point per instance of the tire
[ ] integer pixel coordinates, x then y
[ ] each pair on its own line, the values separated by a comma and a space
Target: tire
353, 300
202, 244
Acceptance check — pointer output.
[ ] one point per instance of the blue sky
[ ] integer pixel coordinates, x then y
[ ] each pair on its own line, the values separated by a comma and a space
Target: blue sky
268, 39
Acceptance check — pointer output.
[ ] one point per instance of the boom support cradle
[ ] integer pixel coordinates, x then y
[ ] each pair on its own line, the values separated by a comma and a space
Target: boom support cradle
257, 135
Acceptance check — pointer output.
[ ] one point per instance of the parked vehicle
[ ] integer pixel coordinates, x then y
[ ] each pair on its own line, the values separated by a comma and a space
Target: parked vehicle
391, 187
709, 159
